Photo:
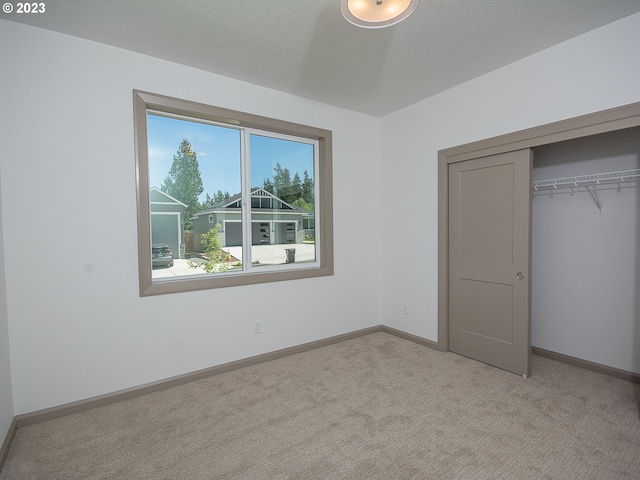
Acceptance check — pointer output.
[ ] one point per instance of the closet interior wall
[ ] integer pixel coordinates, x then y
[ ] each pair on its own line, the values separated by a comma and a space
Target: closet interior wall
585, 276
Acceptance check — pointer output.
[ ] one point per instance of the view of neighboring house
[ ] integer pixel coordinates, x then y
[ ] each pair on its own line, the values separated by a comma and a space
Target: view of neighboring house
273, 221
166, 220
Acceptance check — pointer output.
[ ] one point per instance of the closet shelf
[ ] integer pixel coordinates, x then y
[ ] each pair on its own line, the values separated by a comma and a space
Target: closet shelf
586, 180
589, 182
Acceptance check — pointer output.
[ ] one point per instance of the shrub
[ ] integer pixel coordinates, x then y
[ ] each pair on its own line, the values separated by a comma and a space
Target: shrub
216, 261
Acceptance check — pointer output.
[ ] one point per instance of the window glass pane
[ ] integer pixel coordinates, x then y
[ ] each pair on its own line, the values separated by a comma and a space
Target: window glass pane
282, 200
233, 198
196, 212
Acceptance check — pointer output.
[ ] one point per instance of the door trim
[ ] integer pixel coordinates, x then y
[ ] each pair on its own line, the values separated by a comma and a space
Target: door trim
618, 118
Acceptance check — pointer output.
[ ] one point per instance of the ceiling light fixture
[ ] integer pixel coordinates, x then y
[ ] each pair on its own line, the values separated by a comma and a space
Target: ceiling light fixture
377, 13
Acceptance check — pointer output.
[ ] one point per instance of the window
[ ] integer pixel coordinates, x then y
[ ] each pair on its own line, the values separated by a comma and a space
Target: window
236, 198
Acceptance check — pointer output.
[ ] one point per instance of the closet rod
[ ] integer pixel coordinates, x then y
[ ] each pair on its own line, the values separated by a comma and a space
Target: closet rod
586, 180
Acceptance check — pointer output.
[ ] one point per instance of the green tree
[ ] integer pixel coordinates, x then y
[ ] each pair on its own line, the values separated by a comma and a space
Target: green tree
216, 260
301, 203
282, 183
283, 187
307, 188
219, 196
208, 202
296, 188
268, 186
183, 181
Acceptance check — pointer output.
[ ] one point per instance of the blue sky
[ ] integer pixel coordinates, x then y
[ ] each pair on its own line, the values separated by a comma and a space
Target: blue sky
218, 152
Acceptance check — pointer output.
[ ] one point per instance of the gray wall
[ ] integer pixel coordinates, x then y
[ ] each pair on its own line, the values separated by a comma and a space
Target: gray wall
585, 264
6, 395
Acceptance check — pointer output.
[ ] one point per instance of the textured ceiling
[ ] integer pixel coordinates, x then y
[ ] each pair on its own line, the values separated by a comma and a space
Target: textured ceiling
306, 48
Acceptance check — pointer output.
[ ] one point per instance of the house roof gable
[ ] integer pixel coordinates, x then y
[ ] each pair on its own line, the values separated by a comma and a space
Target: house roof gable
156, 192
256, 192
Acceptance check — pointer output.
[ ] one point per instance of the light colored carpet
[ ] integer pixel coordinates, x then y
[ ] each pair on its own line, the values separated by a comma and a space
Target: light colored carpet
376, 407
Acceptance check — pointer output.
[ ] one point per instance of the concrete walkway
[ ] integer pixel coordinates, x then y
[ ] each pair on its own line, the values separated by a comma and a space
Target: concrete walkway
275, 254
264, 254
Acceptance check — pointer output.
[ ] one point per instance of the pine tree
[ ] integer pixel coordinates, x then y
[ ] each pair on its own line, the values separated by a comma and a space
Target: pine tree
219, 196
282, 183
208, 202
307, 188
183, 181
268, 186
296, 188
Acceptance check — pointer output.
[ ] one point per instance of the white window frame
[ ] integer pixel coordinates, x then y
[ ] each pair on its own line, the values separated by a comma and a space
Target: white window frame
323, 266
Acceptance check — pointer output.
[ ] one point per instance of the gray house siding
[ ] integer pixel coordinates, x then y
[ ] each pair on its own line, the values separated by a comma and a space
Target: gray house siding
269, 226
166, 220
165, 228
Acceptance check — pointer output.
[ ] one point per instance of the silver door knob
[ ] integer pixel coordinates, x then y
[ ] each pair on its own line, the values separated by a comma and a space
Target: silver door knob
520, 276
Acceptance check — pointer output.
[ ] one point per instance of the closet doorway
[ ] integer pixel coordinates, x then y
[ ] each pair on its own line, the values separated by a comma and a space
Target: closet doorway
586, 249
449, 164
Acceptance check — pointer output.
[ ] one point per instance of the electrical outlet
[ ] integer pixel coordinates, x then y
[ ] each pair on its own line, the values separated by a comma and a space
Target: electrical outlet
405, 309
257, 326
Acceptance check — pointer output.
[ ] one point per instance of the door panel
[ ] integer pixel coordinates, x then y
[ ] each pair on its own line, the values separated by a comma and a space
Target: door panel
485, 309
486, 201
489, 226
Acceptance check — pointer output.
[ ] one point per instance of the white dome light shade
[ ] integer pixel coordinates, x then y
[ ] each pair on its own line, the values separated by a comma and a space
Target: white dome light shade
377, 13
